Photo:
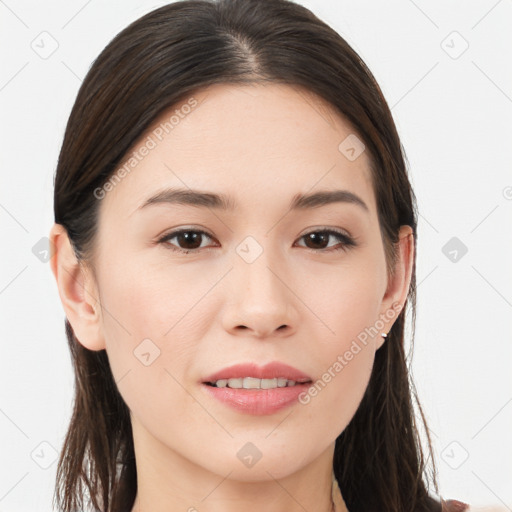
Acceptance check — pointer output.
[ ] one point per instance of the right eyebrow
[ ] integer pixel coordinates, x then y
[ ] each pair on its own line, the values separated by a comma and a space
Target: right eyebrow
223, 202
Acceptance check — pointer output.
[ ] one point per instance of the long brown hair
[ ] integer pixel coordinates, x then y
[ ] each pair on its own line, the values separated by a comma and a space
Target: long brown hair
150, 66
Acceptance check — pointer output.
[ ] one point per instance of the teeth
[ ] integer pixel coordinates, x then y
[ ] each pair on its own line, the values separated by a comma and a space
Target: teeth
268, 383
253, 383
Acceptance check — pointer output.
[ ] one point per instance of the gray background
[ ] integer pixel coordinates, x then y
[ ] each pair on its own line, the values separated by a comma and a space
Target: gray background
446, 71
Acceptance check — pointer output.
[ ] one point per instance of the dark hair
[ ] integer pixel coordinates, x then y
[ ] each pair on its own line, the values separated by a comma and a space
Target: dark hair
153, 64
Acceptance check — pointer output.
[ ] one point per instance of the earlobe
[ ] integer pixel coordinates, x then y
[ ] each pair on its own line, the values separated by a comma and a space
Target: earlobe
77, 290
398, 285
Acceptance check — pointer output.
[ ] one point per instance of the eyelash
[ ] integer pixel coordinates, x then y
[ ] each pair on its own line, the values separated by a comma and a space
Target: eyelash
347, 241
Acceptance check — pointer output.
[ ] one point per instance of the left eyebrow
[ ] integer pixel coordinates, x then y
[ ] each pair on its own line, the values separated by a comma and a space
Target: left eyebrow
223, 202
322, 198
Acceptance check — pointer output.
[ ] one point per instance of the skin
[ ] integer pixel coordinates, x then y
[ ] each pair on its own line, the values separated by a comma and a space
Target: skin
260, 144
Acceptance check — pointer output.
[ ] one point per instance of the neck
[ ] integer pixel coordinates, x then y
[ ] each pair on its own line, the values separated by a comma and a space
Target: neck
168, 481
337, 499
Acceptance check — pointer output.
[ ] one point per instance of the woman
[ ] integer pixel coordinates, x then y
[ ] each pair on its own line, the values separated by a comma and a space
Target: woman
235, 238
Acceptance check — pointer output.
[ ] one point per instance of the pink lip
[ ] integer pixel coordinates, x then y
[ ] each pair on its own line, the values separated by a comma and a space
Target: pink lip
271, 370
258, 401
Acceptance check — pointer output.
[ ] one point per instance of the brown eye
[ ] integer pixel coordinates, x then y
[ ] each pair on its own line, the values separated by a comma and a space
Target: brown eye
319, 240
190, 240
186, 239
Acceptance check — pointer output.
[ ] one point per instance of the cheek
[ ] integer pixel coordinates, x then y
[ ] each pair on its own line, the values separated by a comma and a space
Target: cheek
345, 361
337, 392
348, 309
152, 332
152, 300
346, 301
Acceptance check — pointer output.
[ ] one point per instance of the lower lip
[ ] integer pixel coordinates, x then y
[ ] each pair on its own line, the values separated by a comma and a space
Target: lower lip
258, 401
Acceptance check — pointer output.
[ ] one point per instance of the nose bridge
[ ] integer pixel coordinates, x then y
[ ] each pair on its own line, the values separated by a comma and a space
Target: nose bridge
261, 300
257, 267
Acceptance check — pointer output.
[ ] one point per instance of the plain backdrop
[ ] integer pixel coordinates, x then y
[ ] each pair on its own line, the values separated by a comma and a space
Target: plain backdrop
445, 68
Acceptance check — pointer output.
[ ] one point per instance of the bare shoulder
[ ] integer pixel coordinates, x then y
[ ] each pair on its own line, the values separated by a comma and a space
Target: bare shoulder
460, 506
490, 508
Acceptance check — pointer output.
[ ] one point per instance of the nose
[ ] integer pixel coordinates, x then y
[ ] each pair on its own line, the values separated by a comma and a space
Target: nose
261, 300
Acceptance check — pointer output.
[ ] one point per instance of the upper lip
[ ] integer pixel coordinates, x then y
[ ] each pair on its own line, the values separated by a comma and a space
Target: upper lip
271, 370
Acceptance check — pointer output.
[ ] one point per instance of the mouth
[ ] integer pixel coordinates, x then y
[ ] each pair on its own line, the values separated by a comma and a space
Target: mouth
257, 390
273, 375
255, 396
256, 384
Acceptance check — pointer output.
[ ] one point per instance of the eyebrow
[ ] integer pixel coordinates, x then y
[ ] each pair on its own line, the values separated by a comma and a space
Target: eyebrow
222, 202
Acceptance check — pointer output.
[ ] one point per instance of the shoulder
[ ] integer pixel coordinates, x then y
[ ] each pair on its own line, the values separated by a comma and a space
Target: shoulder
460, 506
434, 505
454, 506
489, 508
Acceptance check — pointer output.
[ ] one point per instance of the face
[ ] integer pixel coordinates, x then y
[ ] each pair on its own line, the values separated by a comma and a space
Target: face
259, 281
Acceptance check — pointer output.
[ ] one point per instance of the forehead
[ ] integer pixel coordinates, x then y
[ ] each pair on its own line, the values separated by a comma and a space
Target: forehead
270, 140
268, 119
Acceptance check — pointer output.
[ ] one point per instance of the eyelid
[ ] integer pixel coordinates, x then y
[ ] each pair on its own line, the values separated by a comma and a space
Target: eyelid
347, 240
171, 234
339, 231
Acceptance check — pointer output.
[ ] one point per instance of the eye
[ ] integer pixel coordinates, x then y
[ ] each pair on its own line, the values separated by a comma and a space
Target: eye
318, 240
190, 240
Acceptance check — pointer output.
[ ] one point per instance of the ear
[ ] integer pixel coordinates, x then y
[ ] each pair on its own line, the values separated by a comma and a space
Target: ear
398, 285
77, 290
